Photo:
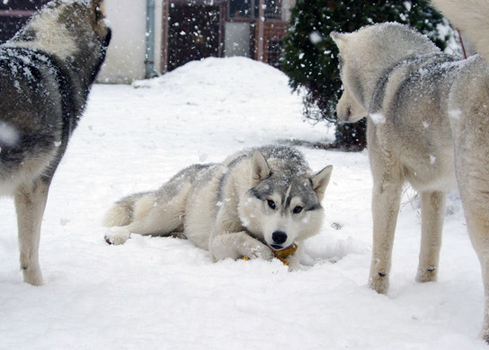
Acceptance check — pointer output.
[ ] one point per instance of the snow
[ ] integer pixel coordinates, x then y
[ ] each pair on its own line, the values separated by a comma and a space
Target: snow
455, 114
377, 118
8, 134
164, 293
315, 38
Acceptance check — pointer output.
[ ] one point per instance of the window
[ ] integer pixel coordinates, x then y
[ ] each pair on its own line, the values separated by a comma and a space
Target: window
248, 9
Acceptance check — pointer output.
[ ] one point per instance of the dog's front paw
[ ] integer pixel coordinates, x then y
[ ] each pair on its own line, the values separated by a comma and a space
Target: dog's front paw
379, 282
117, 235
293, 263
426, 274
256, 251
33, 275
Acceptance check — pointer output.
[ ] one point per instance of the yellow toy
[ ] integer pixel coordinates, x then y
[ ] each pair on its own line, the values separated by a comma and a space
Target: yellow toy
281, 254
284, 253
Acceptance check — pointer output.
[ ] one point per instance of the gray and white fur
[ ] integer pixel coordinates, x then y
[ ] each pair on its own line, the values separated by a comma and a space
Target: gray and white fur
428, 124
255, 200
46, 71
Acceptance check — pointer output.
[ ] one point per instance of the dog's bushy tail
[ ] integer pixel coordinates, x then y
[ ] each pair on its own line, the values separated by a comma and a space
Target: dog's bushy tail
122, 212
471, 17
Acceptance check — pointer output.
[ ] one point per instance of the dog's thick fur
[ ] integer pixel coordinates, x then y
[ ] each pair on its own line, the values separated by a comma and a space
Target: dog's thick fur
428, 120
402, 81
469, 112
46, 71
255, 200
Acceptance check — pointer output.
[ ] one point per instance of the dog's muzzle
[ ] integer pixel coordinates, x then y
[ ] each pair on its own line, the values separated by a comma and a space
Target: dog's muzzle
278, 238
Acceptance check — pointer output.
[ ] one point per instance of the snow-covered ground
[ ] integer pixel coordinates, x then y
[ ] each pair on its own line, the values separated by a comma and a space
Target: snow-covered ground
164, 293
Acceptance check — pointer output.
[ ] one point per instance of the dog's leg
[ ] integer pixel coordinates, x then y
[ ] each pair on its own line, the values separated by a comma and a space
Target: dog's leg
432, 216
30, 202
238, 245
477, 217
479, 234
483, 253
386, 199
484, 261
151, 218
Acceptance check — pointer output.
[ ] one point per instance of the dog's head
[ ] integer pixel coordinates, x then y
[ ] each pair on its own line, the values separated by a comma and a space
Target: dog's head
366, 56
348, 109
355, 68
74, 31
282, 207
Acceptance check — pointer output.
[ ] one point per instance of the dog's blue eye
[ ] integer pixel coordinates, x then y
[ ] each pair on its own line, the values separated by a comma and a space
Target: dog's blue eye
297, 209
271, 204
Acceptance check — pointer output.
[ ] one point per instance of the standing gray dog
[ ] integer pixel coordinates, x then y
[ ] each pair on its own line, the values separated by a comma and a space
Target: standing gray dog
428, 120
46, 72
402, 81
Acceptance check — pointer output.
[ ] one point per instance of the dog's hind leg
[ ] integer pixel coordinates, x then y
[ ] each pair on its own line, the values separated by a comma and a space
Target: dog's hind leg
386, 199
432, 216
152, 214
30, 202
477, 217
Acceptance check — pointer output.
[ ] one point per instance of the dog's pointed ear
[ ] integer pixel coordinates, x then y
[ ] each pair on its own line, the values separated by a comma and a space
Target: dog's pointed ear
98, 9
260, 169
320, 181
340, 39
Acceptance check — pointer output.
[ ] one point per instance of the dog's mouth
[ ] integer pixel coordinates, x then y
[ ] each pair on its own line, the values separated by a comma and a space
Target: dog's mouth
283, 253
280, 248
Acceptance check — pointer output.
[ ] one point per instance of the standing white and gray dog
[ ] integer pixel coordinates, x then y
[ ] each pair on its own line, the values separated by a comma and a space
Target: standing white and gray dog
428, 124
255, 204
46, 71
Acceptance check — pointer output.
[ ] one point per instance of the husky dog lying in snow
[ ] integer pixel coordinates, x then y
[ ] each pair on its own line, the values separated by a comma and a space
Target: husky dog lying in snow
428, 120
46, 72
257, 201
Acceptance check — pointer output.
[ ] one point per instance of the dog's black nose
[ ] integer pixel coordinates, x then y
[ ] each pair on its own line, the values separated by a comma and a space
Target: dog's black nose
279, 237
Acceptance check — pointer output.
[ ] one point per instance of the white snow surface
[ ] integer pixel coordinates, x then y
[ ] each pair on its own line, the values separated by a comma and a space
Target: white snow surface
164, 293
